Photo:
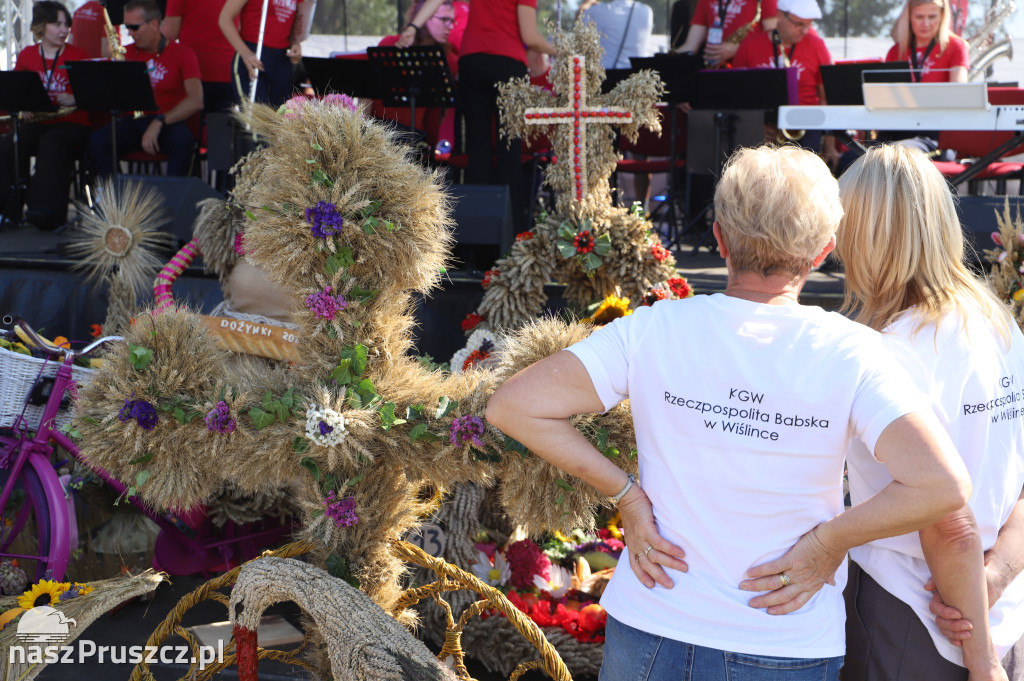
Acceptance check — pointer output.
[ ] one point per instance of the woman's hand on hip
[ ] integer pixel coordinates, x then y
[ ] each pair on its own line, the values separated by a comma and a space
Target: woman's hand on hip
649, 552
794, 578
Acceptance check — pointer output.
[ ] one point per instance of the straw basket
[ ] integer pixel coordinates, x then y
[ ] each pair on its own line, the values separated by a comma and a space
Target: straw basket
18, 374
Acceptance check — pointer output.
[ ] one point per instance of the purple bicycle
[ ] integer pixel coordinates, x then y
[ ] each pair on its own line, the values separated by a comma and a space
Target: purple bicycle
37, 519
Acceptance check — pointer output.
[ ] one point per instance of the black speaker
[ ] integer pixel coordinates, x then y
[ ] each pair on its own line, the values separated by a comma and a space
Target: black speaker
978, 219
180, 194
483, 224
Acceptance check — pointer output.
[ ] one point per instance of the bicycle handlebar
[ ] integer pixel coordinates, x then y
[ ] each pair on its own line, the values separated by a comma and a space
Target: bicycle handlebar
52, 349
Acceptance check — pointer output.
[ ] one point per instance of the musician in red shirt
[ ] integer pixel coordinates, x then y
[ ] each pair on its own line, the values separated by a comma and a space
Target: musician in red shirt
87, 30
53, 142
923, 37
174, 74
719, 26
193, 23
274, 84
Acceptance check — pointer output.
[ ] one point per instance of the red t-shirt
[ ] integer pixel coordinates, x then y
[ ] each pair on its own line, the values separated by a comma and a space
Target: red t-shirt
757, 51
461, 8
200, 31
493, 28
56, 81
87, 31
280, 17
738, 13
954, 55
168, 72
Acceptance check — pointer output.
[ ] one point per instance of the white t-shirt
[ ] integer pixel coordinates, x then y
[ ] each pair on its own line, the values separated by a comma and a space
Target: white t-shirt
743, 416
978, 393
613, 20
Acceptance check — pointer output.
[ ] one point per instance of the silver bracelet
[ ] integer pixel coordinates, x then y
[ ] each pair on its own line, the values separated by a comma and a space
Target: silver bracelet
630, 480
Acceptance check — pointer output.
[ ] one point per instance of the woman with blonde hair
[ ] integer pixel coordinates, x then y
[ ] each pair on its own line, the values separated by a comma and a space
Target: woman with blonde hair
743, 404
923, 37
903, 249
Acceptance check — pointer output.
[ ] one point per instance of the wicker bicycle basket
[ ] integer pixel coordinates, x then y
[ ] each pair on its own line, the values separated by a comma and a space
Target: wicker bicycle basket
18, 375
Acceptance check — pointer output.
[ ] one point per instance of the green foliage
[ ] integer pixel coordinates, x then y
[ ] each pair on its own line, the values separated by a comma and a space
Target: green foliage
273, 409
140, 356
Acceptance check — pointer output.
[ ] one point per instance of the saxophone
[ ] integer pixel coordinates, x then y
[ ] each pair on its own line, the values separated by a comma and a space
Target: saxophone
983, 49
738, 35
117, 51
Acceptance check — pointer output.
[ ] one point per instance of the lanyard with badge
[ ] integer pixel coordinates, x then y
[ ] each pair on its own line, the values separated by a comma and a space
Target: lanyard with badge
715, 32
916, 68
48, 69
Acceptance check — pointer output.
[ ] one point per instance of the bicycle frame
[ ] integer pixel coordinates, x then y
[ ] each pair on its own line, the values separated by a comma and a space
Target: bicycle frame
179, 541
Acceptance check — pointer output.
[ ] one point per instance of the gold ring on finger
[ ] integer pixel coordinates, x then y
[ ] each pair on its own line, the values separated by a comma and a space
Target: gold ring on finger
785, 579
648, 549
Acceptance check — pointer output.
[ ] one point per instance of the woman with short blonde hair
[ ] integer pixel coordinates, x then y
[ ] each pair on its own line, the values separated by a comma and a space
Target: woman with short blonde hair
903, 249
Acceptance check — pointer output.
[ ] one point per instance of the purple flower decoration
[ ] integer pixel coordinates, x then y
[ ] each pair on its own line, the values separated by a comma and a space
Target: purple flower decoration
219, 418
141, 411
465, 429
240, 244
342, 511
74, 592
324, 305
325, 428
324, 220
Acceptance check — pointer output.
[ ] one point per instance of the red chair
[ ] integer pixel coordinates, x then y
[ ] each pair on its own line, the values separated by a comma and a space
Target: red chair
660, 159
973, 146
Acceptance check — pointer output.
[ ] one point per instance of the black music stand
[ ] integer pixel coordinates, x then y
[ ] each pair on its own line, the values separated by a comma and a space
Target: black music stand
733, 103
353, 77
114, 87
21, 92
679, 74
844, 83
411, 76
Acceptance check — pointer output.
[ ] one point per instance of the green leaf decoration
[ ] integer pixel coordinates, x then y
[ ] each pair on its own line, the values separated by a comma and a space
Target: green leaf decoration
300, 444
357, 354
512, 445
249, 214
281, 411
342, 373
611, 452
566, 249
445, 406
633, 453
288, 399
602, 438
560, 499
141, 477
370, 208
146, 458
361, 295
260, 418
311, 160
319, 148
420, 432
367, 393
414, 412
141, 357
603, 244
387, 416
591, 262
268, 400
179, 415
566, 231
561, 482
352, 482
488, 456
330, 482
321, 178
310, 465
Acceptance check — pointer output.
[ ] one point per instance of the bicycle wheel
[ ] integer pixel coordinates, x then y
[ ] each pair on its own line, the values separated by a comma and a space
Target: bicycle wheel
25, 525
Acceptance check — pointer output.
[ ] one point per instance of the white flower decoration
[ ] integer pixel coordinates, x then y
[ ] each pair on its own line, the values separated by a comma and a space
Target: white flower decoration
559, 583
325, 427
480, 339
497, 574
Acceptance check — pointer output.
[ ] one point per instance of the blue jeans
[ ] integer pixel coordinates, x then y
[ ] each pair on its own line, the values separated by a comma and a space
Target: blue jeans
634, 655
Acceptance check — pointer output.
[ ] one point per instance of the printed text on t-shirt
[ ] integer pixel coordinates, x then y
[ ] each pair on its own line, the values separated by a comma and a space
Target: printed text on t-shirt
746, 413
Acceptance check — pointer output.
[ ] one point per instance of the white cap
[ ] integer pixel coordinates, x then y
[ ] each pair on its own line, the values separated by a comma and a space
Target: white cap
804, 9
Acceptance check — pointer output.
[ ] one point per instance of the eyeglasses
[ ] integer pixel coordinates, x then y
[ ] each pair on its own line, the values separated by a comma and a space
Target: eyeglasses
133, 27
447, 21
806, 23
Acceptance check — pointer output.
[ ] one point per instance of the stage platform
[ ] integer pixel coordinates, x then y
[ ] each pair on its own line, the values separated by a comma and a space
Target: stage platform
38, 282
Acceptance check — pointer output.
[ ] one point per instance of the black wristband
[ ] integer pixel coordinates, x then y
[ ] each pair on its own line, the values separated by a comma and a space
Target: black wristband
160, 117
413, 25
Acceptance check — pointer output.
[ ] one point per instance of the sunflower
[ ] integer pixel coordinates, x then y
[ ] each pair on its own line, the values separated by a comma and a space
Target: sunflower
45, 592
609, 309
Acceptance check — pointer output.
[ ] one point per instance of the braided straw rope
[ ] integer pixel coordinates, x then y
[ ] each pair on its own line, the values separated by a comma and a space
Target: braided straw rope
172, 624
550, 661
450, 578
